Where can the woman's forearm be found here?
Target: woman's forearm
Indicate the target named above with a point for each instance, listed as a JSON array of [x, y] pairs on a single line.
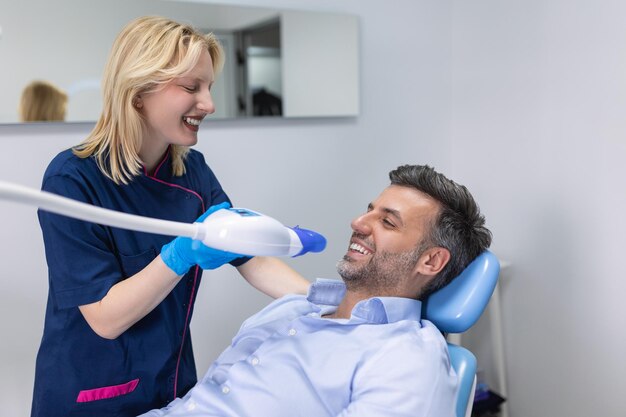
[[130, 300], [273, 277]]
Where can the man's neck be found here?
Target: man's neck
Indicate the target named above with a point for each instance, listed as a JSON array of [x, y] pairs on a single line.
[[350, 299], [353, 296]]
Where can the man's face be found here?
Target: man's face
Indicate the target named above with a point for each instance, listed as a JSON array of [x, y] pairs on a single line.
[[388, 239]]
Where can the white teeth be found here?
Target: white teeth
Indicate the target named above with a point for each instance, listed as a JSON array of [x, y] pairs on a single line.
[[194, 122], [359, 248]]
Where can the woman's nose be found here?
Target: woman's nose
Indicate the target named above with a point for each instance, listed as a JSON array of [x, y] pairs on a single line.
[[205, 102]]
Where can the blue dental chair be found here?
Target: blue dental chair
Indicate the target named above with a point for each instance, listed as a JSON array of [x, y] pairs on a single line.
[[454, 309]]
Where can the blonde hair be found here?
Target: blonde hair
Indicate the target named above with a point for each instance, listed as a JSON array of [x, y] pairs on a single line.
[[147, 54], [42, 101]]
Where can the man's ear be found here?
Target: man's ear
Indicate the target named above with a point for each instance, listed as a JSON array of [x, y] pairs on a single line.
[[432, 261]]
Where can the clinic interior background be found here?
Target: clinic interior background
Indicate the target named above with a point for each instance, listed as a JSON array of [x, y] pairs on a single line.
[[523, 102]]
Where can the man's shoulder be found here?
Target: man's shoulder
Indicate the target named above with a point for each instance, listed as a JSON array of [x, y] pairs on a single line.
[[412, 338], [285, 307]]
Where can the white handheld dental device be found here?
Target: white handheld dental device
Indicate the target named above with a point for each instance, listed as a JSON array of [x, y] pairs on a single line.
[[236, 230]]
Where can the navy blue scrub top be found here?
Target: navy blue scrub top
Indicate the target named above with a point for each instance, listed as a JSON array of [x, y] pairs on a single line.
[[79, 373]]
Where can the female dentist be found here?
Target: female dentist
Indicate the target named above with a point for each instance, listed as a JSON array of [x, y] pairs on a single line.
[[116, 337]]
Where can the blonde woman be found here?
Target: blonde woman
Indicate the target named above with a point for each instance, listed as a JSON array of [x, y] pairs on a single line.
[[42, 101], [116, 339]]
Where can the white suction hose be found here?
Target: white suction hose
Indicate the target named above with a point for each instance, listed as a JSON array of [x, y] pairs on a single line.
[[83, 211], [235, 230]]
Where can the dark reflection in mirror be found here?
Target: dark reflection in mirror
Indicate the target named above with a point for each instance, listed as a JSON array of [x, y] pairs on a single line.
[[261, 53], [258, 80]]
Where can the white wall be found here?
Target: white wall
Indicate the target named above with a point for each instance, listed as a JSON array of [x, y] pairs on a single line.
[[325, 49], [314, 172], [539, 127]]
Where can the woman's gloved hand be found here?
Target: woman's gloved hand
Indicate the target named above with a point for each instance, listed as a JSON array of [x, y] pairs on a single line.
[[182, 253]]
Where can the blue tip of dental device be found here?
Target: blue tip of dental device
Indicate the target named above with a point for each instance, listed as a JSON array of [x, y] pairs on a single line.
[[311, 241]]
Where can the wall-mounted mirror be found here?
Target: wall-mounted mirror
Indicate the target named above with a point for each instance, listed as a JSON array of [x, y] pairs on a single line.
[[282, 63]]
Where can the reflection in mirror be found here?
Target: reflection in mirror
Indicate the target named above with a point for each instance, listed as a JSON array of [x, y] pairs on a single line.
[[279, 63], [261, 53]]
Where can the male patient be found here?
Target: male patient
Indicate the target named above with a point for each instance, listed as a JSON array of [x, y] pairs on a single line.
[[357, 347]]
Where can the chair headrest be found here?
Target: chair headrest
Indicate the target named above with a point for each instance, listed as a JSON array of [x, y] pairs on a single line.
[[457, 306]]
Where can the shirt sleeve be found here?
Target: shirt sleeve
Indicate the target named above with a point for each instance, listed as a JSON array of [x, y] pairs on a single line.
[[81, 262], [410, 378]]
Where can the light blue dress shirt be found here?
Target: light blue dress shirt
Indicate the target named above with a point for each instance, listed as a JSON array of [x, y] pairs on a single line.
[[289, 361]]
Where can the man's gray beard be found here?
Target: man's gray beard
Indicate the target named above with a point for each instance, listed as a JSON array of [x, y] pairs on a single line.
[[381, 275]]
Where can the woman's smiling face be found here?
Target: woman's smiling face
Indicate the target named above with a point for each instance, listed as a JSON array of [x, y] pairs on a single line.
[[174, 112]]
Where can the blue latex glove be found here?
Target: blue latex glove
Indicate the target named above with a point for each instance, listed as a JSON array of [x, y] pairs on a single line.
[[182, 253]]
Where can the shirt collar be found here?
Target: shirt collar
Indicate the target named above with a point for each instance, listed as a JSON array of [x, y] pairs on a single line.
[[163, 169], [379, 310]]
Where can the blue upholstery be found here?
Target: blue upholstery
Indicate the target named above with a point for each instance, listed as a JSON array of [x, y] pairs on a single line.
[[454, 309], [457, 306], [464, 363]]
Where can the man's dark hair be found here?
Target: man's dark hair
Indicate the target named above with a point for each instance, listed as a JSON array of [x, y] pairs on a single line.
[[460, 227]]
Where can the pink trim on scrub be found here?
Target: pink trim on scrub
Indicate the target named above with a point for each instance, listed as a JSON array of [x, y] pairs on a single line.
[[195, 280], [156, 171], [107, 392], [180, 352], [179, 187]]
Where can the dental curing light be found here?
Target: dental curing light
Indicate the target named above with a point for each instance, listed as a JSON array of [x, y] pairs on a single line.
[[236, 230]]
